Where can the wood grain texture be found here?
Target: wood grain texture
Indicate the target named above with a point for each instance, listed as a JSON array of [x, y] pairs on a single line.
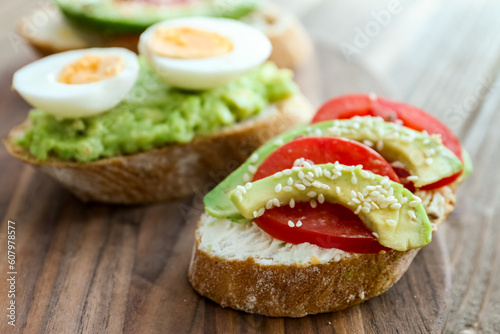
[[95, 268]]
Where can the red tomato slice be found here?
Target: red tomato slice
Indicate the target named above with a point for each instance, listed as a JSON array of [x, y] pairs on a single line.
[[322, 150], [348, 106], [328, 225]]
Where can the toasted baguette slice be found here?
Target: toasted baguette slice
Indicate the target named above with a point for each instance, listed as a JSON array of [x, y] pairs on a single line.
[[175, 170], [291, 44], [242, 267]]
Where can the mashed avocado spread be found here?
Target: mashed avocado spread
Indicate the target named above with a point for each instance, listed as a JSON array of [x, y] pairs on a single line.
[[154, 114]]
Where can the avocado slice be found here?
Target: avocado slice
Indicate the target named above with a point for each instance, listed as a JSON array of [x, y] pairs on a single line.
[[121, 17], [392, 141], [396, 216]]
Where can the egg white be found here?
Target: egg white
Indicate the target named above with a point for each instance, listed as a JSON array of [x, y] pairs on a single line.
[[37, 84], [250, 49]]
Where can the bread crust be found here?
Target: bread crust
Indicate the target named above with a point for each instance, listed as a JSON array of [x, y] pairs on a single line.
[[173, 171], [291, 44], [279, 290]]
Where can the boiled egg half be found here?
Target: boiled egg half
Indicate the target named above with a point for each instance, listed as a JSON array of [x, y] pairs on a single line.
[[78, 83], [198, 53]]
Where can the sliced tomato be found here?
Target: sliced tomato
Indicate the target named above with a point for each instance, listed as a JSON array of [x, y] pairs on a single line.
[[348, 106], [328, 225], [323, 150]]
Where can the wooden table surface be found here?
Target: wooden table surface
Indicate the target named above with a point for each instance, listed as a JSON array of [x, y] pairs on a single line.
[[96, 268]]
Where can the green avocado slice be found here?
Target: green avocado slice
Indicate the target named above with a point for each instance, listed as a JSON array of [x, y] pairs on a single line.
[[394, 142], [121, 17], [396, 216]]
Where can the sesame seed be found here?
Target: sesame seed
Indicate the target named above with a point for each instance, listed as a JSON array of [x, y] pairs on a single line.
[[287, 172], [355, 200], [365, 209], [374, 205], [337, 189], [412, 178], [300, 186], [375, 193], [279, 142], [384, 180], [313, 204], [255, 214], [290, 181], [354, 180], [310, 174], [248, 185], [246, 177], [429, 161], [391, 222], [301, 175], [404, 200], [307, 165], [416, 198], [353, 194], [299, 224], [261, 212], [252, 169], [365, 174], [375, 235], [414, 203], [395, 206], [254, 158], [291, 224], [287, 189], [238, 194], [380, 145], [278, 175], [317, 184], [312, 194], [327, 173], [269, 204], [357, 210], [306, 183], [321, 198], [411, 213], [276, 202], [292, 203], [278, 188], [241, 189], [368, 142]]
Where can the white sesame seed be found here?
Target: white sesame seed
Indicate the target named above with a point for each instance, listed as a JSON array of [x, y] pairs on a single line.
[[248, 185], [255, 213], [391, 222], [287, 172], [411, 213], [287, 189], [374, 205], [261, 212], [404, 200], [321, 198], [365, 174], [310, 174], [368, 142], [416, 198], [395, 206], [278, 188], [276, 202], [238, 194], [312, 194], [254, 158], [360, 196], [384, 180], [252, 169], [241, 189], [279, 142], [354, 180], [365, 209], [301, 175], [355, 200], [375, 193], [327, 173], [291, 224], [429, 161], [290, 181], [358, 210], [300, 186], [269, 204], [375, 235], [299, 224], [412, 178], [317, 184], [307, 165], [246, 177], [306, 183], [296, 169], [353, 194], [414, 203], [313, 204], [380, 145], [292, 203], [278, 175], [337, 189]]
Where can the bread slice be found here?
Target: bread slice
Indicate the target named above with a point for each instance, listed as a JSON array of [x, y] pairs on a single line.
[[242, 267], [173, 171], [291, 44]]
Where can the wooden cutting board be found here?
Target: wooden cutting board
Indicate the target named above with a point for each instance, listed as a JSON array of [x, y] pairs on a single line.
[[92, 268]]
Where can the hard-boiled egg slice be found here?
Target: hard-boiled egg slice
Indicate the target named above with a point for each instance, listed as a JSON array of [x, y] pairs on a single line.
[[201, 52], [78, 83]]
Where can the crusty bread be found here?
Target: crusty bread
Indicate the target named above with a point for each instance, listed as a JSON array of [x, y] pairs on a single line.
[[270, 287], [291, 44], [175, 170]]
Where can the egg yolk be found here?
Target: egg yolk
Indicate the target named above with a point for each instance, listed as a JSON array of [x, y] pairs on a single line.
[[91, 68], [188, 43]]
